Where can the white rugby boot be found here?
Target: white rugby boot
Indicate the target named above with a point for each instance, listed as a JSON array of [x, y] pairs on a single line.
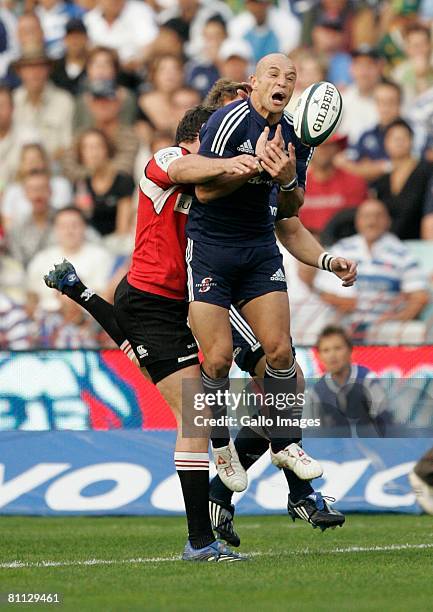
[[229, 468], [296, 459]]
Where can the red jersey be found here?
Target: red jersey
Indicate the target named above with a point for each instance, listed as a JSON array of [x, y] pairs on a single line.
[[323, 199], [158, 261]]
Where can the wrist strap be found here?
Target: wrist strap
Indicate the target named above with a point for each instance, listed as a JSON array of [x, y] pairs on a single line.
[[325, 261], [290, 186]]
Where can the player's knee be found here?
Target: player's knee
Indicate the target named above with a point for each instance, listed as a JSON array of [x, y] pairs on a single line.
[[217, 363], [279, 354]]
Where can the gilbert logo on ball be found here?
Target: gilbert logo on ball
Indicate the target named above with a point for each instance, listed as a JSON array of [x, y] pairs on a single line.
[[318, 113]]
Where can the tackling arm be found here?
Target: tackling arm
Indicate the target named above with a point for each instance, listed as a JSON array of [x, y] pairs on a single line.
[[199, 169]]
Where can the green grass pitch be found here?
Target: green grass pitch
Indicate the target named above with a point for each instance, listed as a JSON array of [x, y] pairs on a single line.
[[374, 563]]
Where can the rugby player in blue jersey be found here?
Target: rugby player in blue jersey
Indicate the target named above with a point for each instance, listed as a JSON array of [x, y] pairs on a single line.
[[232, 255]]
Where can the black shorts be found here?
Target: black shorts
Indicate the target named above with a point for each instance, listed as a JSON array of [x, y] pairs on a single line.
[[157, 329]]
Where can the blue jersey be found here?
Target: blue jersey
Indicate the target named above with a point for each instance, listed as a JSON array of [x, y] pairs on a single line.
[[243, 217]]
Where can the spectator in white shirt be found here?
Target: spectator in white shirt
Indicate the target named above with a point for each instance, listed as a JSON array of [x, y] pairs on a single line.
[[359, 108], [391, 285], [128, 26], [93, 262], [43, 112]]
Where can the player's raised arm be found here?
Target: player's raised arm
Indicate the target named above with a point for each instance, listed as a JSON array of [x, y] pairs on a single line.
[[305, 248]]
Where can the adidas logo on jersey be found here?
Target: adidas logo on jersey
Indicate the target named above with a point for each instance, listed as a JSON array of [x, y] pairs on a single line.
[[278, 276], [246, 147]]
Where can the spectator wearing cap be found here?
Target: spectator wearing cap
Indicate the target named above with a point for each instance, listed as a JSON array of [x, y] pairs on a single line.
[[266, 28], [359, 109], [43, 112], [330, 189], [234, 60], [104, 106], [406, 189], [368, 158], [390, 286], [101, 79], [70, 242], [202, 71], [68, 71], [54, 15], [35, 231], [328, 44], [128, 26]]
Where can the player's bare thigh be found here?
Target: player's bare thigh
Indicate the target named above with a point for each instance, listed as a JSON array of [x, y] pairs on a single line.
[[210, 325], [173, 389], [269, 317]]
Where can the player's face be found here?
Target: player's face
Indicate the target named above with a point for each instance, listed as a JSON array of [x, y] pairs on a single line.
[[334, 353], [193, 147], [274, 84]]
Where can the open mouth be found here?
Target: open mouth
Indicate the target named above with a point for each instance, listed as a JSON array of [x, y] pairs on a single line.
[[278, 97]]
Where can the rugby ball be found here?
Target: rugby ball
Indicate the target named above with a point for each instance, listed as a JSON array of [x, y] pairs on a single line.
[[317, 113]]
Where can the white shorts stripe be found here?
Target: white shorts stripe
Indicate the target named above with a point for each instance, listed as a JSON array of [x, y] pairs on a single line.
[[225, 124], [241, 326], [189, 280]]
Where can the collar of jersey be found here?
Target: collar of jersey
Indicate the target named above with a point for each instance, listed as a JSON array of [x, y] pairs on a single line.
[[261, 120]]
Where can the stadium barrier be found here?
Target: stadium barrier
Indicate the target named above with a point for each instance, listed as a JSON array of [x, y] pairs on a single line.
[[81, 432]]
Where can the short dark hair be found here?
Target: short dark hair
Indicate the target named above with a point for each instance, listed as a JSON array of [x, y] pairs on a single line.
[[414, 28], [190, 124], [392, 85], [217, 19], [72, 209], [399, 123], [334, 330]]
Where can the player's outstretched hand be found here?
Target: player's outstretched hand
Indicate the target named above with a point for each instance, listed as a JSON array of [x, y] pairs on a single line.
[[346, 269], [242, 165]]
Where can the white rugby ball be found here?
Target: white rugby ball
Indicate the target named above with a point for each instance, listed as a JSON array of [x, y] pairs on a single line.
[[317, 113]]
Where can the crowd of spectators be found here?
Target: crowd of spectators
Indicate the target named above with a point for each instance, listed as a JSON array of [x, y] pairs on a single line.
[[89, 89]]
